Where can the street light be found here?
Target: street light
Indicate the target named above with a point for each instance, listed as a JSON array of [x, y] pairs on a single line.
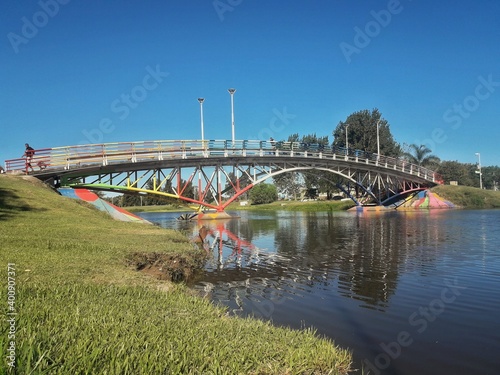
[[201, 100], [232, 91], [346, 140], [378, 138], [479, 171]]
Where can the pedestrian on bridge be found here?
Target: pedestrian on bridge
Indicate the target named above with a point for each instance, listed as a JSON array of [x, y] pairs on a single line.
[[28, 154], [273, 145]]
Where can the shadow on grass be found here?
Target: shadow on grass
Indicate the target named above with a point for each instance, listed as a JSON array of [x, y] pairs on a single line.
[[11, 204]]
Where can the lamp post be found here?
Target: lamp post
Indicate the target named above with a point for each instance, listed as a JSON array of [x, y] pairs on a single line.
[[346, 140], [378, 138], [479, 170], [201, 100], [231, 92]]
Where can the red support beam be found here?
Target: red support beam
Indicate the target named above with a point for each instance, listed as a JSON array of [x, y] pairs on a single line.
[[239, 193]]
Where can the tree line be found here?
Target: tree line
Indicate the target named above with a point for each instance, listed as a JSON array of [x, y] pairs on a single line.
[[359, 131], [129, 200]]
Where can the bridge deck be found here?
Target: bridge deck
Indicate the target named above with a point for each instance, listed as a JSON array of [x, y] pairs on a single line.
[[125, 155]]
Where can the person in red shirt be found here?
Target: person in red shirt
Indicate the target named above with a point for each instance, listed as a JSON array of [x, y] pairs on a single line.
[[28, 154]]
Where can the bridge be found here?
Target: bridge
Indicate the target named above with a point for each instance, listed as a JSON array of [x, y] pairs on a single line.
[[221, 171]]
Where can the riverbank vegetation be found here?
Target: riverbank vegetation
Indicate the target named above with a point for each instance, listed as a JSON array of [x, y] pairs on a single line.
[[263, 193], [291, 205], [161, 208], [469, 197], [282, 205], [83, 309]]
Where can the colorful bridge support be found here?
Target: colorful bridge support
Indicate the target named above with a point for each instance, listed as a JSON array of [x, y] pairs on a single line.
[[117, 213]]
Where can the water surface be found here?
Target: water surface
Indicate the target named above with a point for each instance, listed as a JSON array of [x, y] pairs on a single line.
[[408, 292]]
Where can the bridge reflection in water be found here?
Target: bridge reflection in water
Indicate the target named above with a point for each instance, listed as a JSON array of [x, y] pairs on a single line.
[[274, 257]]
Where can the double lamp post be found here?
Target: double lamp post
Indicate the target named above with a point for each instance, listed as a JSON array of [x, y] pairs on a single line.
[[201, 100]]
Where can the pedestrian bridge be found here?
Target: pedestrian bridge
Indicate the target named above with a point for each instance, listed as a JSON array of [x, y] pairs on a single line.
[[214, 173]]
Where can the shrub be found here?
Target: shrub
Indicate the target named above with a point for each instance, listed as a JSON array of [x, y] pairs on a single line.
[[263, 193]]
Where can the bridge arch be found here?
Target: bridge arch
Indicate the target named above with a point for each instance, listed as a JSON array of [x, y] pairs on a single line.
[[127, 166]]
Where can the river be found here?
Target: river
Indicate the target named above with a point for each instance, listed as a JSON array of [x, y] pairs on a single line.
[[412, 292]]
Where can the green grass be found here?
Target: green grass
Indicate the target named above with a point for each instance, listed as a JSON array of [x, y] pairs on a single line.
[[275, 206], [311, 206], [82, 310], [469, 197]]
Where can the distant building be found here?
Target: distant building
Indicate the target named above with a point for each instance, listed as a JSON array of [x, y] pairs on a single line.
[[454, 183]]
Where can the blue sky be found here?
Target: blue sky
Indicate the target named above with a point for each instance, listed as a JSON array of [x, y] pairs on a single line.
[[78, 71]]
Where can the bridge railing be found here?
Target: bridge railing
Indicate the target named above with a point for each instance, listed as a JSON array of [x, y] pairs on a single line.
[[74, 157]]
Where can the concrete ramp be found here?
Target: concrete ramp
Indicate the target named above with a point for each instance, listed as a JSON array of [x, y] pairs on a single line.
[[117, 213], [428, 199]]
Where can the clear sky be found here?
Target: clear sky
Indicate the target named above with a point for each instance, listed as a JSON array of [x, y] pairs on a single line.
[[77, 71]]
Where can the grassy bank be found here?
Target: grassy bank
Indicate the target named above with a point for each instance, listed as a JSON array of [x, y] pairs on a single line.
[[275, 206], [469, 197], [297, 206], [82, 310], [160, 208]]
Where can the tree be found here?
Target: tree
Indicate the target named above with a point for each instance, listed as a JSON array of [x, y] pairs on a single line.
[[421, 156], [151, 199], [101, 194], [313, 178], [233, 181], [465, 174], [289, 183], [294, 137], [263, 193], [491, 177], [129, 200], [188, 189], [156, 199], [362, 133], [168, 189]]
